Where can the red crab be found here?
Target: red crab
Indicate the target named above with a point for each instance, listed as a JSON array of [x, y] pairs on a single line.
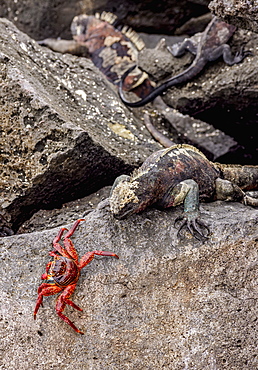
[[62, 274]]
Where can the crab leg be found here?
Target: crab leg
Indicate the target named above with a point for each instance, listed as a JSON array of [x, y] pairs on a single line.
[[45, 289], [88, 257], [61, 303], [68, 243], [58, 246], [72, 304], [44, 276], [74, 227], [59, 235]]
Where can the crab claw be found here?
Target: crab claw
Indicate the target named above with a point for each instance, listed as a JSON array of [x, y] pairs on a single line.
[[195, 226]]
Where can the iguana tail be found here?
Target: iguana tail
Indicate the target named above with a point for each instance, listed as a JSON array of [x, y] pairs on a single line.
[[246, 177]]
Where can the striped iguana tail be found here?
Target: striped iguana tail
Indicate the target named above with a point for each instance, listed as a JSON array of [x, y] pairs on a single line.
[[246, 177]]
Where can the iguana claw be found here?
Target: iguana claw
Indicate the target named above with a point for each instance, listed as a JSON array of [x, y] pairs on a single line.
[[192, 225], [241, 54]]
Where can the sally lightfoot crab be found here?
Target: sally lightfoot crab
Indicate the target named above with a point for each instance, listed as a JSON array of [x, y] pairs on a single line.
[[63, 273]]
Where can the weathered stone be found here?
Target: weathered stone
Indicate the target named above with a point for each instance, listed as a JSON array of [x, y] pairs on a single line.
[[53, 18], [194, 25], [166, 303], [241, 13], [64, 132], [213, 142], [71, 211]]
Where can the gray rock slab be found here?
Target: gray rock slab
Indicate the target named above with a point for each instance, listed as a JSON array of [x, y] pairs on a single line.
[[166, 303]]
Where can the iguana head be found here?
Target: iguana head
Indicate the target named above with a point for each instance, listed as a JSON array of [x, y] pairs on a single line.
[[126, 199], [81, 25]]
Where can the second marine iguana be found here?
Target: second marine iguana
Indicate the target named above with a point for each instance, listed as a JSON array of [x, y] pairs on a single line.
[[207, 46], [113, 50], [182, 174]]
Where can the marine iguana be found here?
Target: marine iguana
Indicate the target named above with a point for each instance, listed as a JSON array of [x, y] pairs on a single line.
[[182, 174], [113, 51], [207, 46]]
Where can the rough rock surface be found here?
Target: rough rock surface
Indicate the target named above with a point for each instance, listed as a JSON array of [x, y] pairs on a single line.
[[52, 18], [241, 13], [213, 142], [194, 25], [69, 212], [165, 304], [64, 132]]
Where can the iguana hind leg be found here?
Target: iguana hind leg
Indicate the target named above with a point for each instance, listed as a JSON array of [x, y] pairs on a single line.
[[225, 51], [228, 191]]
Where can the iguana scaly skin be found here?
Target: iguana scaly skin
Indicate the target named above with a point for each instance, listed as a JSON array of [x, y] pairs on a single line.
[[182, 174], [207, 46], [113, 51]]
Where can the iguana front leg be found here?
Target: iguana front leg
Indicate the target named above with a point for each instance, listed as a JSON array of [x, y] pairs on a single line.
[[187, 192], [65, 46], [179, 49]]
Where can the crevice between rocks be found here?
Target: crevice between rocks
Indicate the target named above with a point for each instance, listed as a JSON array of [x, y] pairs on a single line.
[[70, 176]]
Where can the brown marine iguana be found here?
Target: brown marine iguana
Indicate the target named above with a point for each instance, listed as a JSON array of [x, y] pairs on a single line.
[[182, 174], [113, 51], [207, 46]]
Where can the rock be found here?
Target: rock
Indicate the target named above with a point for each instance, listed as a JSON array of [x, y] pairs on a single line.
[[166, 303], [213, 142], [64, 132], [222, 96], [53, 18], [69, 212], [5, 227], [43, 19], [241, 13], [194, 25]]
